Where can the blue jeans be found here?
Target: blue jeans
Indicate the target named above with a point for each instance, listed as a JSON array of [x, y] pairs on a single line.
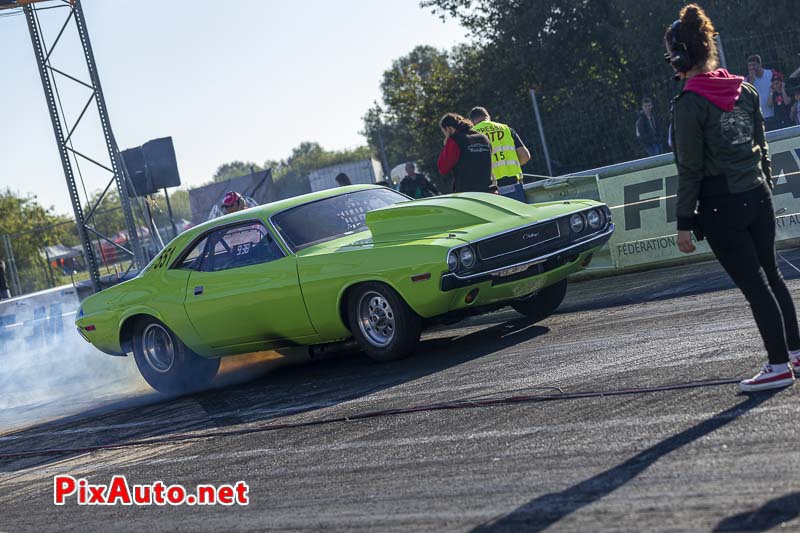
[[654, 149]]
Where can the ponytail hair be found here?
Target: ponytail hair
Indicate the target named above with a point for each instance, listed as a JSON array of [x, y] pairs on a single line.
[[697, 32]]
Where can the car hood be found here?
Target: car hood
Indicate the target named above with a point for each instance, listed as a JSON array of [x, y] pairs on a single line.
[[465, 215]]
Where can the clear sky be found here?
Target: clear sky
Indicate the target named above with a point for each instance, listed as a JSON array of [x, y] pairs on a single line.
[[246, 80]]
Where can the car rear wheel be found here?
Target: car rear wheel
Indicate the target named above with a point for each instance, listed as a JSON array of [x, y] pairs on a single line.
[[166, 363], [384, 326], [542, 304]]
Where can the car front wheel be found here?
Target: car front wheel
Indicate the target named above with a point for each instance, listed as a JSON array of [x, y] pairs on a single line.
[[542, 304], [384, 326], [166, 363]]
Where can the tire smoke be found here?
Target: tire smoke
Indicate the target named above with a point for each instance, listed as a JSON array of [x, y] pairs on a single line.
[[48, 370]]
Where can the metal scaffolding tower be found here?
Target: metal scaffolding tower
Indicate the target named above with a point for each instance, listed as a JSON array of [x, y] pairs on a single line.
[[64, 132]]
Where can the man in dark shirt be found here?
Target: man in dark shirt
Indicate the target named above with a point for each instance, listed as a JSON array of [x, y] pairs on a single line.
[[648, 129], [417, 185], [4, 292]]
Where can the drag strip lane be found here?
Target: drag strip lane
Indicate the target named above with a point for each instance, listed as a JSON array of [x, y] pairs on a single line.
[[574, 465]]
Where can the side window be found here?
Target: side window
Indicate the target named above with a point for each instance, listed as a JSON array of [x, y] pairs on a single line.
[[193, 258], [240, 246]]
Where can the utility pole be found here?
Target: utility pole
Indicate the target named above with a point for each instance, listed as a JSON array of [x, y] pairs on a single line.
[[541, 133]]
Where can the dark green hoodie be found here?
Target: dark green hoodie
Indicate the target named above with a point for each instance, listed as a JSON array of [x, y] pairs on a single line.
[[718, 140]]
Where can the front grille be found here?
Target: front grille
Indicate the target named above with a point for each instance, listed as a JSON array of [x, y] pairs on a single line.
[[517, 240]]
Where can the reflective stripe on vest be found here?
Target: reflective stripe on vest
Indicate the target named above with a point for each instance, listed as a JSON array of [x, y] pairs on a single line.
[[502, 163], [505, 162]]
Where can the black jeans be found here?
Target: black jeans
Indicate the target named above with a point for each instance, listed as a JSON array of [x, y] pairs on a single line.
[[740, 229]]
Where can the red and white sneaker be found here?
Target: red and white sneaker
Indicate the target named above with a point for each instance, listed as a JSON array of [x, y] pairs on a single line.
[[769, 378], [794, 363]]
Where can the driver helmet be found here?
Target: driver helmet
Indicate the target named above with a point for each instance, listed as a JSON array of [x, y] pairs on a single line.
[[232, 202]]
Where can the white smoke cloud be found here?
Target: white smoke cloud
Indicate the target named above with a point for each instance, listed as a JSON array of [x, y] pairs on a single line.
[[47, 369]]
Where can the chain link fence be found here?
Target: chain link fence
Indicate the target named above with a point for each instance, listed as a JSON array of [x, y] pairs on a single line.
[[52, 256], [593, 125]]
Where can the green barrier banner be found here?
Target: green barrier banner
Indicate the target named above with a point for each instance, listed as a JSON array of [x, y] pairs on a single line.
[[643, 205]]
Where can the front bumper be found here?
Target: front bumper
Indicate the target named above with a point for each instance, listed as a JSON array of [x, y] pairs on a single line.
[[527, 268]]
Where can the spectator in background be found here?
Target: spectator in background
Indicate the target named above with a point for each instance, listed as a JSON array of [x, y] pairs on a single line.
[[648, 129], [467, 154], [794, 112], [5, 293], [761, 78], [780, 103], [417, 185], [343, 179]]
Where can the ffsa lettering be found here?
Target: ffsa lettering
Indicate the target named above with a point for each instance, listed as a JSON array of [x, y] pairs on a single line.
[[782, 163]]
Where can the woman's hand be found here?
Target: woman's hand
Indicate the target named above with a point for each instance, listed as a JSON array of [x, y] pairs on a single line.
[[685, 243]]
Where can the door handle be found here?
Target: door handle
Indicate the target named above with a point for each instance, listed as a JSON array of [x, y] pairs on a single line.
[[198, 290]]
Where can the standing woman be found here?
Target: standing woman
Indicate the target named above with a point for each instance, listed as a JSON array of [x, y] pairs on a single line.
[[724, 168], [467, 154]]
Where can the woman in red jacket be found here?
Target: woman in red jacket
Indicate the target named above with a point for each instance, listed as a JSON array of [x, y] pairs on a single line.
[[467, 154]]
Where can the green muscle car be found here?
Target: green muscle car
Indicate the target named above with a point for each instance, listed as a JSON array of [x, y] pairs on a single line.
[[361, 262]]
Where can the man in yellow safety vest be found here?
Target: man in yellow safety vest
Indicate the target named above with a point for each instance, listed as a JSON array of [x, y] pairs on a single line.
[[508, 151]]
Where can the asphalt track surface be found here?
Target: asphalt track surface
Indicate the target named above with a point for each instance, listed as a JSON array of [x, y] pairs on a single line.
[[702, 458]]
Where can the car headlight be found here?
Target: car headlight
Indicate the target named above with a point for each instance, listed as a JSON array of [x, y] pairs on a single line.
[[467, 257], [576, 223], [593, 218], [452, 261]]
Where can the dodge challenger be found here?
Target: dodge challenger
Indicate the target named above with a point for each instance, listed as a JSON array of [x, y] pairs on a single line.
[[359, 262]]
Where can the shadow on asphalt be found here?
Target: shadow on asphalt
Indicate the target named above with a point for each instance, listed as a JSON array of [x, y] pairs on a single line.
[[661, 284], [641, 287], [549, 509], [287, 391], [309, 387], [772, 514]]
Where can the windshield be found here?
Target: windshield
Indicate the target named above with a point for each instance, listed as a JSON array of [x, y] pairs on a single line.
[[331, 218]]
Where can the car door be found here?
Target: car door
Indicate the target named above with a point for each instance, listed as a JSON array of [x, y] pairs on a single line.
[[245, 291]]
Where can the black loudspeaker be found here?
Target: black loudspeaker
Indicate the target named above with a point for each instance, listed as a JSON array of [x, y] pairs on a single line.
[[162, 167], [137, 171]]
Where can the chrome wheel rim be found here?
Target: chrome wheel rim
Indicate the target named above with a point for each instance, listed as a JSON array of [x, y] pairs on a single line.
[[376, 319], [159, 351]]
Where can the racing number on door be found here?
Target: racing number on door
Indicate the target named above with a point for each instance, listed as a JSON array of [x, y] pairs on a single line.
[[164, 258], [243, 249]]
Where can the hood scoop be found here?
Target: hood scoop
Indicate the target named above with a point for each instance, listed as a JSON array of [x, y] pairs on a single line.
[[441, 215]]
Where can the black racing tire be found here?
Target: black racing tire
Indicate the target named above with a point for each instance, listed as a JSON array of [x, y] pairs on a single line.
[[167, 364], [542, 304], [384, 326]]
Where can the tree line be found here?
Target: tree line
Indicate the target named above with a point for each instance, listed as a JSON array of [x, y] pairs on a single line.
[[290, 175], [589, 62]]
